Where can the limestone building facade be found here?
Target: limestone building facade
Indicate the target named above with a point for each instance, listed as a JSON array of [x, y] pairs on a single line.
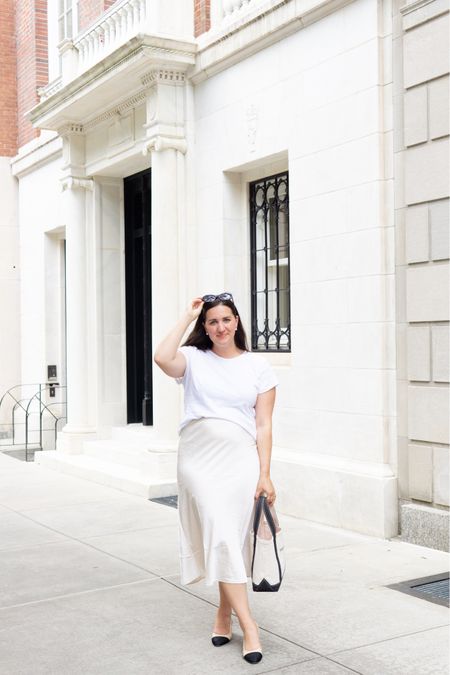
[[293, 152]]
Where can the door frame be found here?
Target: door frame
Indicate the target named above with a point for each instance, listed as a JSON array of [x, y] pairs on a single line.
[[134, 415]]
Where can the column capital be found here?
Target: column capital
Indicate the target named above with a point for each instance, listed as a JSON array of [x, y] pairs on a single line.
[[77, 183]]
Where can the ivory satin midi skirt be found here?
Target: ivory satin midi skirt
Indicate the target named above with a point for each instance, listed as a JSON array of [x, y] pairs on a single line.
[[217, 474]]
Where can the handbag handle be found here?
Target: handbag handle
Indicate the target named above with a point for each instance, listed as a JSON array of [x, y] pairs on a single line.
[[261, 506]]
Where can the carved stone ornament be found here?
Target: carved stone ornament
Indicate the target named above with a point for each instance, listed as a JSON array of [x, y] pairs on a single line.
[[152, 102], [76, 183], [71, 128], [160, 143], [252, 124], [163, 75]]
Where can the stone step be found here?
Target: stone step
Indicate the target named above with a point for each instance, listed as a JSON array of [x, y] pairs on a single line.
[[142, 436], [161, 465], [118, 476]]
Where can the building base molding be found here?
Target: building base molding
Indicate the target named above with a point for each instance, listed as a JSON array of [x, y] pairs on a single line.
[[338, 493], [425, 525]]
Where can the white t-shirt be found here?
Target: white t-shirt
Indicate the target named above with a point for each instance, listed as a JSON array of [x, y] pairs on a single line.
[[225, 388]]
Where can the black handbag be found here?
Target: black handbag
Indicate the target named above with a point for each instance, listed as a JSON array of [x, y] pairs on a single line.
[[268, 560]]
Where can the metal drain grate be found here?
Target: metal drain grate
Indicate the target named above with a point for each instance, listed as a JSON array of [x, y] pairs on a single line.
[[167, 501], [434, 588]]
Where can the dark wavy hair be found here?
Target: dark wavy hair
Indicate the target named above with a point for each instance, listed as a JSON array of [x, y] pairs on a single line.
[[198, 338]]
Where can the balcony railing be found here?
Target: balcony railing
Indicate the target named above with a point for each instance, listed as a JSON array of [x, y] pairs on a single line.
[[124, 20], [225, 11], [128, 18], [50, 89]]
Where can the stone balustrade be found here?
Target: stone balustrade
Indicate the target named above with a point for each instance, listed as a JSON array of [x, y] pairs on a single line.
[[50, 89], [224, 12], [233, 8], [124, 20], [113, 29]]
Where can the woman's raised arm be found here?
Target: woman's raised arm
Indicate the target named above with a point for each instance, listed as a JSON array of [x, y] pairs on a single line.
[[167, 356]]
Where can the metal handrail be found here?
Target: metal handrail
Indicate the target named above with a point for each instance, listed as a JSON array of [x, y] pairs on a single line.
[[17, 386], [24, 404], [17, 403], [42, 408]]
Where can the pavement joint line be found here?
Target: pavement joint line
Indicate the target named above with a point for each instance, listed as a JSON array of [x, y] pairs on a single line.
[[138, 529], [112, 498], [85, 543], [20, 547], [266, 630], [76, 593], [62, 506], [166, 580], [387, 639], [312, 651], [299, 663], [326, 548]]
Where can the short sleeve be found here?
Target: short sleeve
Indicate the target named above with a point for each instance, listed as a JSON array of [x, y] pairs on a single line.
[[187, 355], [267, 378]]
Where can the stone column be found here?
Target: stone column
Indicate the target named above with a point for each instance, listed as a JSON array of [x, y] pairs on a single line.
[[74, 189], [167, 145]]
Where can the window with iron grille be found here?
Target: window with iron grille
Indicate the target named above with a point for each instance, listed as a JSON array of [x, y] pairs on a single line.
[[270, 285]]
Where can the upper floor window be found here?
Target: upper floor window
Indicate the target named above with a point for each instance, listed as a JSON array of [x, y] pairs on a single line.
[[270, 285], [67, 19]]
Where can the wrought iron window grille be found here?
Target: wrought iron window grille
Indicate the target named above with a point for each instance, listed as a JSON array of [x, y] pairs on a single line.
[[270, 264]]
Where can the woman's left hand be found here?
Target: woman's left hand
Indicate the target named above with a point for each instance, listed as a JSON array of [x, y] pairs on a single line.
[[266, 485]]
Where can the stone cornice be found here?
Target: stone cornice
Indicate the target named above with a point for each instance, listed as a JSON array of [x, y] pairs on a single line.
[[418, 4], [119, 109], [37, 154], [165, 76], [158, 75], [113, 77], [421, 11], [266, 25]]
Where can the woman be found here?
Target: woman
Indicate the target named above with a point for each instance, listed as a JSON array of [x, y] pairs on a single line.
[[224, 454]]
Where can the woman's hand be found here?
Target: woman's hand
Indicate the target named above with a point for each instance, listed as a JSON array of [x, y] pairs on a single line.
[[266, 485], [194, 308]]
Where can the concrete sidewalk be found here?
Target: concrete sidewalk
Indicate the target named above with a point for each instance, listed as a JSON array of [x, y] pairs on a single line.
[[89, 585]]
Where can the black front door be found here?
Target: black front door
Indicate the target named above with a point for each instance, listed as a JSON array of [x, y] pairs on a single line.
[[137, 191]]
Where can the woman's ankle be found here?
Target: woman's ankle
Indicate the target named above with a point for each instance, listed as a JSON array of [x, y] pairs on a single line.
[[249, 624]]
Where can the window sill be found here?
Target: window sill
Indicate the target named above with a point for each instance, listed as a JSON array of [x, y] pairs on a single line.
[[276, 358]]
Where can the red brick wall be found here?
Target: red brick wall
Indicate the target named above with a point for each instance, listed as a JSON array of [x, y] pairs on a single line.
[[90, 10], [202, 17], [8, 83], [32, 61]]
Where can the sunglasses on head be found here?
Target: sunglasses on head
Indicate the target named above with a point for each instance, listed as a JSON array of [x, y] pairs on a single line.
[[221, 296]]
